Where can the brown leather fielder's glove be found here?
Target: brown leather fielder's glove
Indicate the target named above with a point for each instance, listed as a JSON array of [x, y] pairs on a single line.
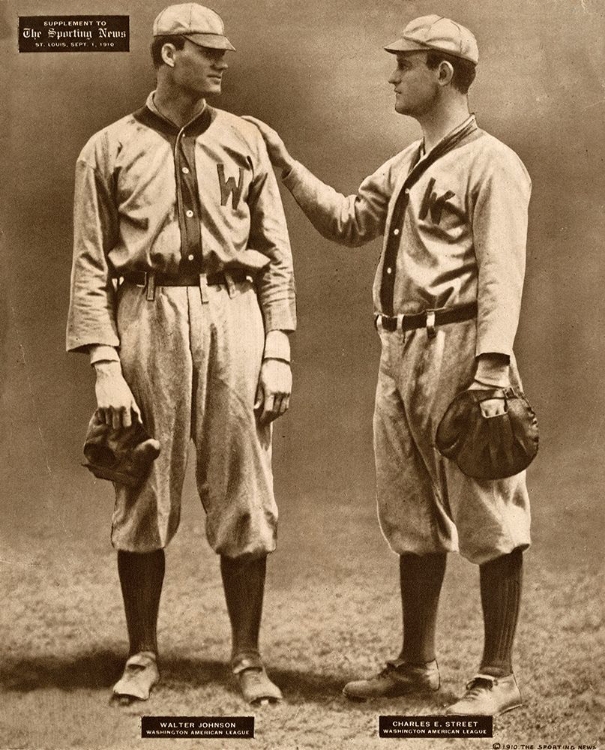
[[489, 447], [124, 456]]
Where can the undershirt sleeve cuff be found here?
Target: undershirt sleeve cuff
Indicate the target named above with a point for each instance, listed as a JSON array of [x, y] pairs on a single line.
[[103, 353]]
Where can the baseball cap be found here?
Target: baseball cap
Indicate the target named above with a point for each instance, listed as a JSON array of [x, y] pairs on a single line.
[[438, 33], [200, 25]]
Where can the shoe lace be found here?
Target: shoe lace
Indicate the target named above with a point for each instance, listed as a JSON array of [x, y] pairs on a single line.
[[390, 667], [477, 685], [385, 673]]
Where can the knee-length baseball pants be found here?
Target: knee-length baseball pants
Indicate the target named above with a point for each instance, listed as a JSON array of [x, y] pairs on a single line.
[[425, 503], [193, 368]]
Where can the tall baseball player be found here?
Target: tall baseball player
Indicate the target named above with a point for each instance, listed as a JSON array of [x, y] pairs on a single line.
[[180, 203], [453, 211]]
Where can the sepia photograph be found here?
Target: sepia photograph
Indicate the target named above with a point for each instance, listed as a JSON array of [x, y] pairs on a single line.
[[302, 404]]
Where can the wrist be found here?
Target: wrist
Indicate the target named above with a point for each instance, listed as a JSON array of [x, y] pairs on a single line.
[[286, 164], [105, 368], [103, 353], [277, 346], [493, 370]]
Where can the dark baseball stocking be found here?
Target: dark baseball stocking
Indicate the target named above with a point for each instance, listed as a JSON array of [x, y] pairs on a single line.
[[500, 599], [141, 578], [244, 584], [421, 578]]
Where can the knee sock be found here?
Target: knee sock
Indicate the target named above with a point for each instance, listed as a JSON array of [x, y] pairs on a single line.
[[500, 599], [141, 578], [421, 577], [244, 584]]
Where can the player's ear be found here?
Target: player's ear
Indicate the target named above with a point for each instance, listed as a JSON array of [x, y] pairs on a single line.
[[168, 52], [445, 73]]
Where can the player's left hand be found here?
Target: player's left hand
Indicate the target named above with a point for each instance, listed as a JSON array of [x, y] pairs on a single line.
[[273, 391], [493, 407]]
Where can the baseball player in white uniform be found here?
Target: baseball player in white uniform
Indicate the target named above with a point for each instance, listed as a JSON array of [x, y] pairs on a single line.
[[179, 202], [453, 211]]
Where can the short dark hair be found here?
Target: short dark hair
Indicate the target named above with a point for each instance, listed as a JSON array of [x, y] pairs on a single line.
[[159, 42], [464, 70]]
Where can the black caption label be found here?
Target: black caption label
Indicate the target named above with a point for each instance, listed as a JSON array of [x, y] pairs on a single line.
[[74, 34], [399, 727], [198, 727]]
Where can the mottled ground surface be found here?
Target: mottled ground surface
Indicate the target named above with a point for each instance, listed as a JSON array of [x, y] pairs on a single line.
[[332, 613]]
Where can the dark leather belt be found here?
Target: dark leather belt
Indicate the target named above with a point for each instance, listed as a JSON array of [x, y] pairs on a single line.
[[428, 318], [140, 278]]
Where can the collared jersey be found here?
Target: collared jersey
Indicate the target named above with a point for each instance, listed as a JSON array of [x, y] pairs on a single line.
[[454, 222], [152, 197]]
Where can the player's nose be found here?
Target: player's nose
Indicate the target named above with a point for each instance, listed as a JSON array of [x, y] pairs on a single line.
[[394, 78]]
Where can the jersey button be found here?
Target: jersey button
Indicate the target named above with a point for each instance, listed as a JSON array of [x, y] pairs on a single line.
[[189, 213], [190, 257], [389, 271], [185, 170], [395, 232]]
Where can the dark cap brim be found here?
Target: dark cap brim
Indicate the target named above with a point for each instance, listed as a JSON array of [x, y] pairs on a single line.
[[212, 41]]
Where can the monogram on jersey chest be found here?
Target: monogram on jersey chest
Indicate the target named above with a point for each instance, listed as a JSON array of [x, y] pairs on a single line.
[[231, 187]]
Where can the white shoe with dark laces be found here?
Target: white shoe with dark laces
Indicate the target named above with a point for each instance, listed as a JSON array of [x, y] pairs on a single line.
[[487, 696]]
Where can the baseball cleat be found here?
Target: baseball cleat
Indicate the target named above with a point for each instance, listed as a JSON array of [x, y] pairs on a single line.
[[253, 681], [140, 675], [487, 696], [397, 678]]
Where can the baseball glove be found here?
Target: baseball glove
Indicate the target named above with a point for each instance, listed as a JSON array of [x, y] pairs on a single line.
[[124, 456], [489, 447]]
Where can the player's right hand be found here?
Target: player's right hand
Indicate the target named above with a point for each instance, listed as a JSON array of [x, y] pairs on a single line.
[[278, 153], [115, 402]]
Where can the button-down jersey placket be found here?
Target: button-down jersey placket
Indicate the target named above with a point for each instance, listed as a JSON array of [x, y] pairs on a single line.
[[395, 228], [189, 208]]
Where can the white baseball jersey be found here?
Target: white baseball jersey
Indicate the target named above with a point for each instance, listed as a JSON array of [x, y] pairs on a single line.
[[152, 197], [457, 234], [454, 222]]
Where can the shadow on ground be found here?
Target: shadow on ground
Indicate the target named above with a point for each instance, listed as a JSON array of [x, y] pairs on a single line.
[[101, 669]]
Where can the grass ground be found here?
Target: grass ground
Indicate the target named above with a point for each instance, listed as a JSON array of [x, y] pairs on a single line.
[[332, 613]]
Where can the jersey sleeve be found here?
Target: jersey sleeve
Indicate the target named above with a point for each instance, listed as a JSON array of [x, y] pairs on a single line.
[[269, 236], [500, 216], [349, 220], [91, 317]]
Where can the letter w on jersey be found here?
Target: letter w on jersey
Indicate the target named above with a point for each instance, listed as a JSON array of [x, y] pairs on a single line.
[[230, 187], [434, 203]]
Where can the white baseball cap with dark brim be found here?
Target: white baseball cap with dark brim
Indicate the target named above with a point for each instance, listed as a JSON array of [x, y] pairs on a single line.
[[437, 33], [199, 24]]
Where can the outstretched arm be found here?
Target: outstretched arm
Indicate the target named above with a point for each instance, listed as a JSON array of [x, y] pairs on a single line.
[[350, 220]]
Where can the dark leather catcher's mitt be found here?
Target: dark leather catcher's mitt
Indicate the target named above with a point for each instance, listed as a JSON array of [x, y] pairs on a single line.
[[124, 456], [489, 447]]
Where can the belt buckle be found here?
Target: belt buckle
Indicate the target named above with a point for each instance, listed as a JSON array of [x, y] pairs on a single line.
[[145, 279]]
